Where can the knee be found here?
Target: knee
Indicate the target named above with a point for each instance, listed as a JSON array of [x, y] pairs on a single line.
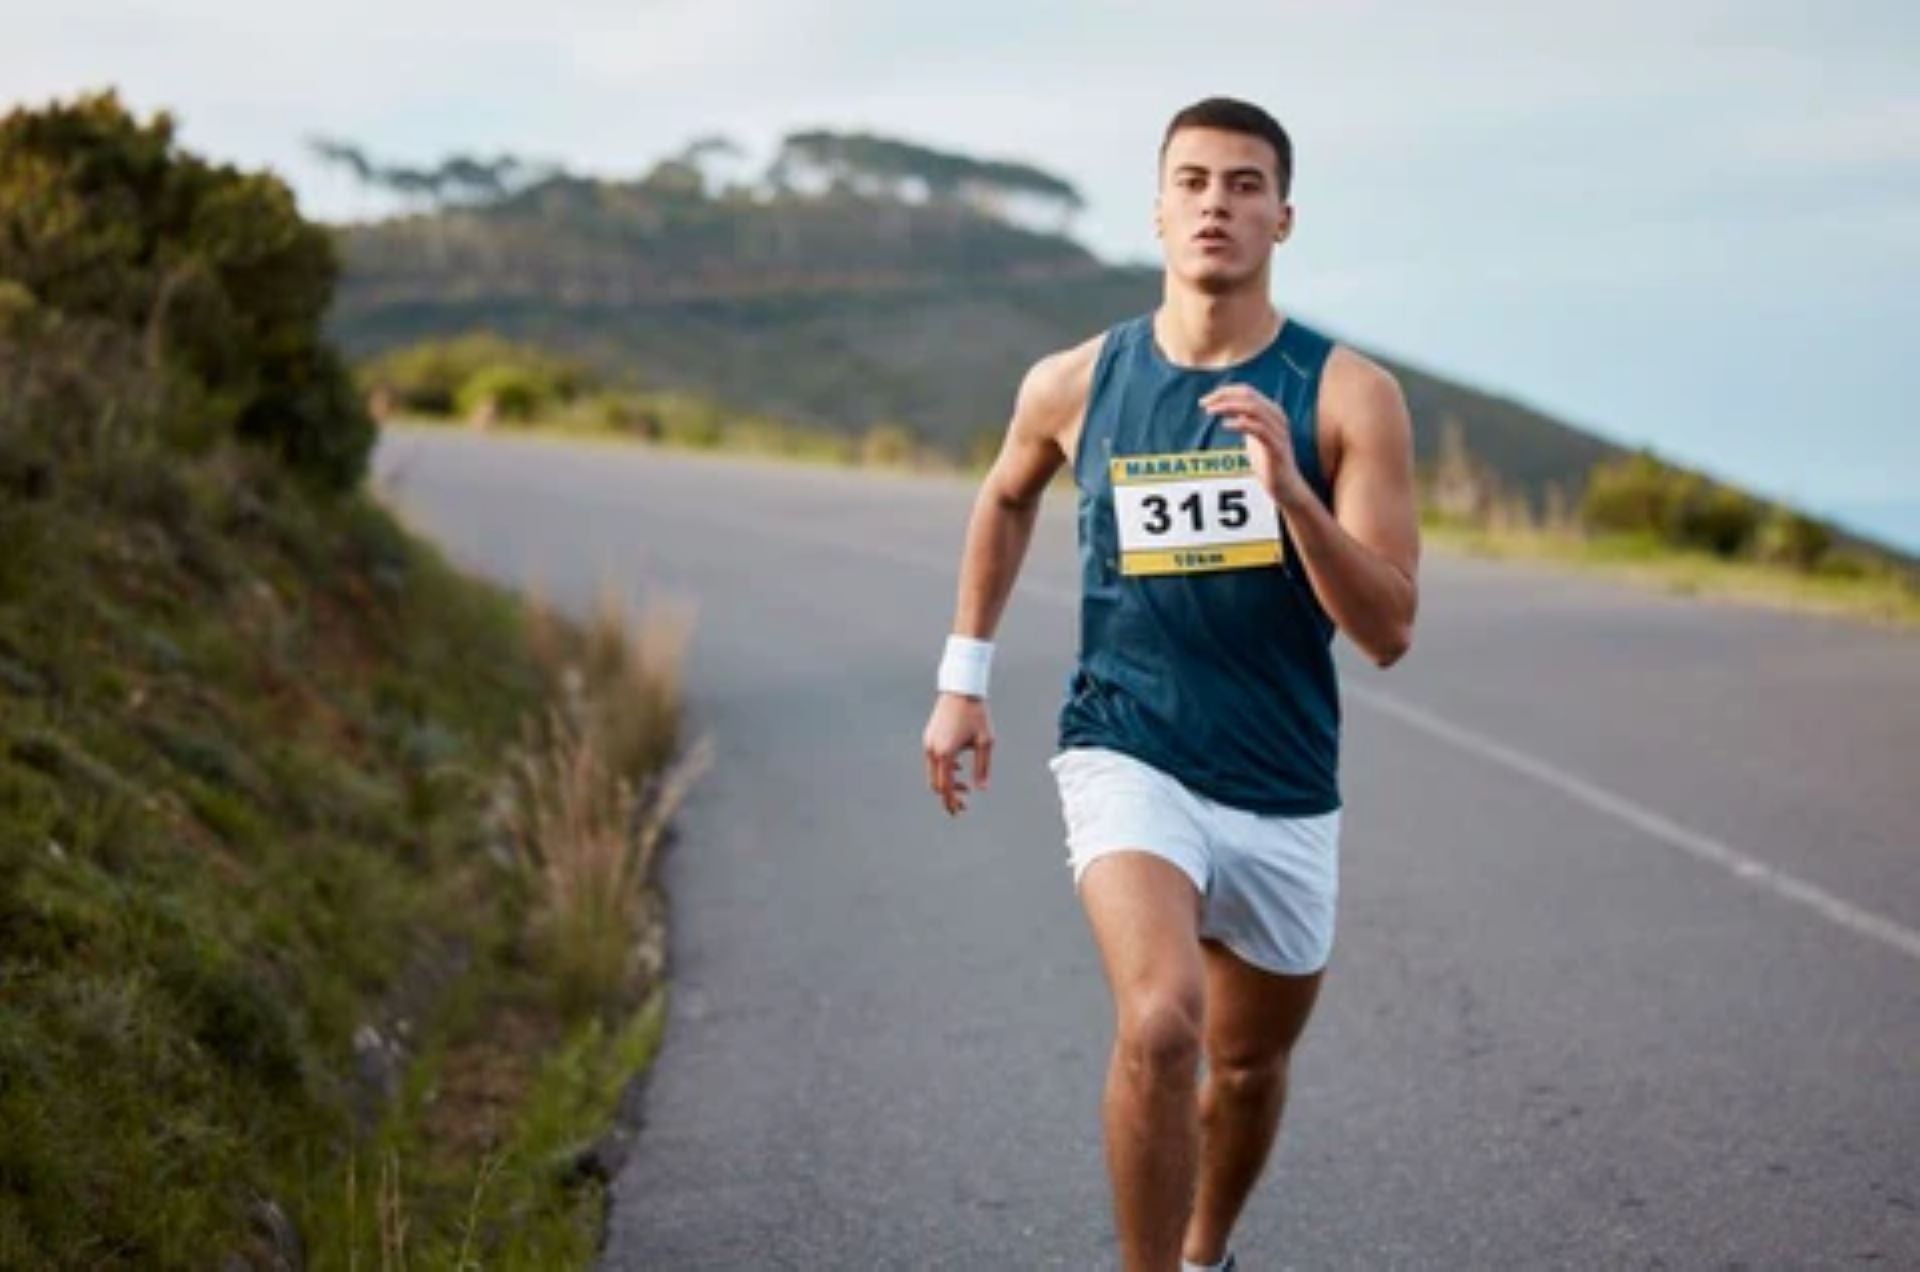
[[1159, 1037], [1247, 1080]]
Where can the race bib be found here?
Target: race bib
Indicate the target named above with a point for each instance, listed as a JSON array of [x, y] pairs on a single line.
[[1187, 514]]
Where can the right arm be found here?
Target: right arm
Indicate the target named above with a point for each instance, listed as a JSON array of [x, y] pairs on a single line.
[[1045, 426]]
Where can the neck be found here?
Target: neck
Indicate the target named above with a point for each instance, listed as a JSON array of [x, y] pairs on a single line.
[[1198, 329]]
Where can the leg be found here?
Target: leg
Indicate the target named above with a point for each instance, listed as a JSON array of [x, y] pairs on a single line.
[[1254, 1018], [1145, 917]]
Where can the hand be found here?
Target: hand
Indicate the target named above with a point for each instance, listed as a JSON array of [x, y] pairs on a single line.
[[959, 723], [1258, 418]]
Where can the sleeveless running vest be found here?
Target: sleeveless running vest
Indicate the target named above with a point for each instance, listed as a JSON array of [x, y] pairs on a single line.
[[1224, 680]]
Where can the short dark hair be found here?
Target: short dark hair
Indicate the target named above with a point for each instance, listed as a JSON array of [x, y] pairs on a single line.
[[1230, 114]]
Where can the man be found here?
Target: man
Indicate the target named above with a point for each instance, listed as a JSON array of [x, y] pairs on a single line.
[[1246, 486]]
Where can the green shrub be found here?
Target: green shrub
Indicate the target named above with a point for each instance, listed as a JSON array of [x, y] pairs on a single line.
[[508, 391], [310, 412], [436, 377], [1715, 518], [1789, 538], [1642, 495], [1628, 496], [425, 378], [211, 270], [73, 386]]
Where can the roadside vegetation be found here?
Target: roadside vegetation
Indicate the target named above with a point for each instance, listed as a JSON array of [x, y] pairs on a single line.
[[483, 381], [1645, 521], [327, 929]]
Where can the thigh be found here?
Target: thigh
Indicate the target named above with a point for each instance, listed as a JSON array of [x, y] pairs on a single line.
[[1275, 893], [1254, 1017], [1145, 915]]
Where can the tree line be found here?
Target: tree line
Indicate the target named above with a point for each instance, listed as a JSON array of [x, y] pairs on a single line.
[[814, 161]]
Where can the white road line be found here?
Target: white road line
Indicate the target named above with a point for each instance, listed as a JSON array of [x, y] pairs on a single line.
[[1696, 845]]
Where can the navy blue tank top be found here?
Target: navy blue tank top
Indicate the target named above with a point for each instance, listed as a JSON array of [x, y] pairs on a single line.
[[1223, 679]]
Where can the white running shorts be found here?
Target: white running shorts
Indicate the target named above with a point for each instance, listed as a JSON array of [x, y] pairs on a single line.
[[1268, 885]]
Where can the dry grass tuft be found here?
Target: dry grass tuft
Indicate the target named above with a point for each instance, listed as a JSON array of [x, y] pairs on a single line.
[[593, 789], [632, 670]]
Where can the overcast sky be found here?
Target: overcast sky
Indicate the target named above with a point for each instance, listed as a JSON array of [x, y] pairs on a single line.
[[1685, 224]]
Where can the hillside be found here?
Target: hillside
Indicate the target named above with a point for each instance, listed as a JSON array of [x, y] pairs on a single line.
[[291, 961], [837, 309]]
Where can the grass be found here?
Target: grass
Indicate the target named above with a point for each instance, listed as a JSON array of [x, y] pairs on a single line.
[[1863, 590], [587, 840], [503, 1103], [582, 832], [486, 1160], [269, 956]]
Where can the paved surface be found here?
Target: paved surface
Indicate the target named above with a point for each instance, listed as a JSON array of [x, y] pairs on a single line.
[[1628, 968]]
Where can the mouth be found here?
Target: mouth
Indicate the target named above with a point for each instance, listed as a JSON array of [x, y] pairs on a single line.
[[1213, 238]]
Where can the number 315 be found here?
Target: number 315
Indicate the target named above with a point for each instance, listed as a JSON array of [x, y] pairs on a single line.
[[1231, 511]]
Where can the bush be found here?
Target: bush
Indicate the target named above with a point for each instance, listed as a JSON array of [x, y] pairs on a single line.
[[508, 391], [211, 270], [1642, 495], [1716, 518], [310, 412], [1788, 538], [426, 378], [435, 377], [77, 386], [1628, 496]]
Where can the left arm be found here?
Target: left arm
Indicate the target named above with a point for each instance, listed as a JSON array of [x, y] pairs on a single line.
[[1364, 556]]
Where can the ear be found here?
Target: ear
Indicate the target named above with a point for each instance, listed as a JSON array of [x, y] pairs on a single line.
[[1158, 228], [1283, 229]]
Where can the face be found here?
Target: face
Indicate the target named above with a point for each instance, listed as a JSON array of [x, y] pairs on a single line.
[[1219, 212]]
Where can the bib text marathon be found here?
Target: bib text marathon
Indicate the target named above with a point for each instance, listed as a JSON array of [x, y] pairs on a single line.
[[1227, 463]]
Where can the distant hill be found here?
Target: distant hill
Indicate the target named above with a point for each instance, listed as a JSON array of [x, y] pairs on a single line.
[[836, 308]]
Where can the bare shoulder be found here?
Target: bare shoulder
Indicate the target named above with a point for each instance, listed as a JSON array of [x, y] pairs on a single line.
[[1358, 389], [1361, 405], [1053, 394], [1045, 430]]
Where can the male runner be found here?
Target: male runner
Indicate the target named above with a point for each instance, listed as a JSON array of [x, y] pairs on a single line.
[[1246, 487]]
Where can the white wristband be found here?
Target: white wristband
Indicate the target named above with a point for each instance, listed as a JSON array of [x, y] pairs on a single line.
[[965, 666]]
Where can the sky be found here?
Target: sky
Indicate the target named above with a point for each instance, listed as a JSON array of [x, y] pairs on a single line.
[[1687, 225]]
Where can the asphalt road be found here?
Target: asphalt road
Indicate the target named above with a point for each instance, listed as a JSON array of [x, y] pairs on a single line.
[[1628, 964]]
